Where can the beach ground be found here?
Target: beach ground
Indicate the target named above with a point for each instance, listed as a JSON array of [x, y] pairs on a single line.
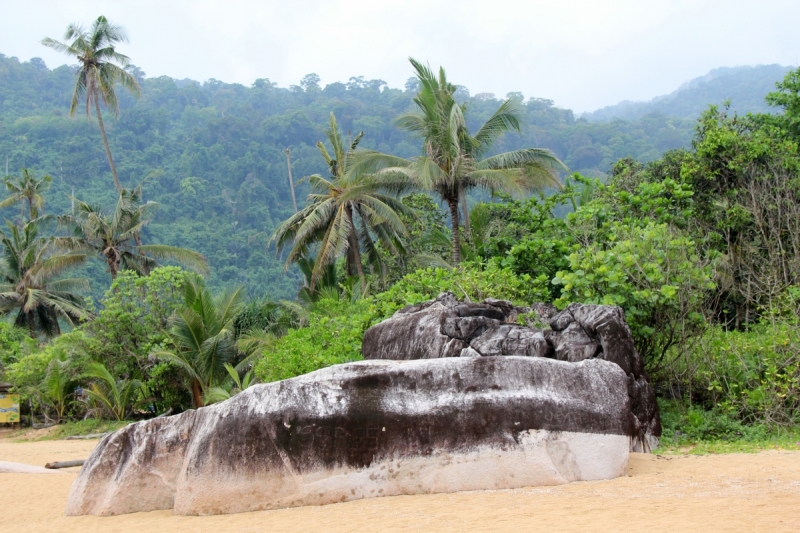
[[709, 493]]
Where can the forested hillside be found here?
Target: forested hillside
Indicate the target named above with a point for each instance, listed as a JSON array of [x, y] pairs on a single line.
[[213, 154], [745, 88]]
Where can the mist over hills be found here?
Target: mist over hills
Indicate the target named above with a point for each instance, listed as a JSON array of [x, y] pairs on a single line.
[[744, 86], [213, 152]]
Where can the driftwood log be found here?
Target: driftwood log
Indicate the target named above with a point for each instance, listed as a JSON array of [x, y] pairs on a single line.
[[64, 464], [87, 437]]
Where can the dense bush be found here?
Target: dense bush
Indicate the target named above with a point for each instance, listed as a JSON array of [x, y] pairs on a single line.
[[29, 374], [333, 335], [11, 340], [471, 281], [753, 376], [654, 273], [684, 424]]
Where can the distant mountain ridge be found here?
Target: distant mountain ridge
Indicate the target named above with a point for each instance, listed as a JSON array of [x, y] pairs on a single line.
[[744, 86]]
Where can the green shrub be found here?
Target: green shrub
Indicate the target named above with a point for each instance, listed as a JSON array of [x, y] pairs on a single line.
[[684, 424], [471, 281], [133, 316], [33, 373], [333, 335], [11, 339], [752, 375], [654, 273]]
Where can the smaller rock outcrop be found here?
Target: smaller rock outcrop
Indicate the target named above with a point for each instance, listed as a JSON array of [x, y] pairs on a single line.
[[445, 327]]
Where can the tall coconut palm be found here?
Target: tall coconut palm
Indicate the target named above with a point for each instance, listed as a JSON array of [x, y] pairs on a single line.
[[451, 161], [115, 236], [30, 268], [202, 337], [27, 189], [343, 213], [101, 67]]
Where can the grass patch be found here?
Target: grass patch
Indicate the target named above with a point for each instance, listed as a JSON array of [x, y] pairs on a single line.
[[69, 429], [690, 429], [790, 441]]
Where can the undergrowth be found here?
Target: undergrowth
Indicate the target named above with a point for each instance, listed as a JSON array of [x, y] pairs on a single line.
[[692, 429]]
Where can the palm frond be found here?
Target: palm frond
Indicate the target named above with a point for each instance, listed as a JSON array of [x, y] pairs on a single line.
[[504, 119], [189, 258]]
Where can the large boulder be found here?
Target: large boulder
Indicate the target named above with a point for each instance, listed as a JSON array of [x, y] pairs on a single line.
[[445, 327], [372, 428]]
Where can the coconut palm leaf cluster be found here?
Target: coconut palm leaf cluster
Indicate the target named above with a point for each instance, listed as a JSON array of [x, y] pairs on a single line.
[[32, 285], [27, 190], [115, 236], [356, 206], [100, 69], [347, 212], [209, 339], [453, 161]]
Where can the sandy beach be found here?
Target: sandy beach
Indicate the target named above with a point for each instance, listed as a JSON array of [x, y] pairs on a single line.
[[735, 492]]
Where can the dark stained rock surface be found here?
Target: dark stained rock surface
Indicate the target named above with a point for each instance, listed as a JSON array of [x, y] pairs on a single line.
[[489, 328], [511, 339], [372, 428], [416, 333]]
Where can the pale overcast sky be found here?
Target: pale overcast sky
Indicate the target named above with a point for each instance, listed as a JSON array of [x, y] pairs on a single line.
[[583, 54]]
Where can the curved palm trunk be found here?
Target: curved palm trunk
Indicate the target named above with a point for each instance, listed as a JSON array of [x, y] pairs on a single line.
[[113, 266], [105, 143], [291, 181], [463, 195], [31, 320], [353, 240], [452, 201], [197, 394]]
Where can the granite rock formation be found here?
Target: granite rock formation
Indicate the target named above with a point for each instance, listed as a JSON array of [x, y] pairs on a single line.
[[445, 327], [374, 428]]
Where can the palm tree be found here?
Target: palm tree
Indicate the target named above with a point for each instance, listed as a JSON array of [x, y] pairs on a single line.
[[29, 269], [232, 387], [451, 163], [342, 214], [117, 397], [115, 236], [27, 189], [101, 67], [202, 336]]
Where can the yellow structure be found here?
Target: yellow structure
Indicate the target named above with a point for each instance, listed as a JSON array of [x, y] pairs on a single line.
[[9, 408]]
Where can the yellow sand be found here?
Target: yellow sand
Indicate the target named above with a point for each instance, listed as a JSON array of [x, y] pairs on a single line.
[[736, 492]]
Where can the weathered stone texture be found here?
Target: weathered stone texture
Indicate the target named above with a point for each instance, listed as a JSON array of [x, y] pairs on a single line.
[[372, 428], [453, 396], [580, 332]]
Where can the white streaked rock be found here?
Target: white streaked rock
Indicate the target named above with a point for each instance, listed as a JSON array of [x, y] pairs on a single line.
[[372, 428]]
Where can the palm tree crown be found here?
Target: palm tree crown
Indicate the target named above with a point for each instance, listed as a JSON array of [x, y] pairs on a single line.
[[203, 337], [115, 236], [451, 161], [29, 268], [343, 213], [101, 67], [27, 189]]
